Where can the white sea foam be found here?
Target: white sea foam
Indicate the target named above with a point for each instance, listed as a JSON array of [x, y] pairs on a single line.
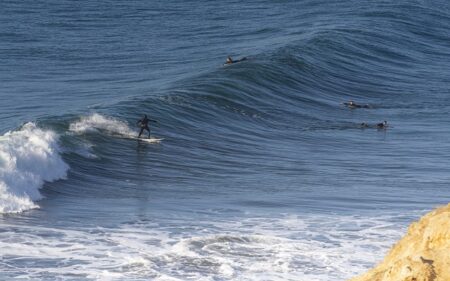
[[96, 122], [311, 248], [28, 158]]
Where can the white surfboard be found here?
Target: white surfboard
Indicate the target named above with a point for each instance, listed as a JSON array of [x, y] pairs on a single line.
[[149, 140]]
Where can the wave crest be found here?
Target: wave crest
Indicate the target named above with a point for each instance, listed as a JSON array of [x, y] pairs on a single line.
[[28, 158], [96, 122]]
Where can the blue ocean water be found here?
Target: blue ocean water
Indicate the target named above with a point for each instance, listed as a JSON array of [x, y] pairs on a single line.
[[263, 173]]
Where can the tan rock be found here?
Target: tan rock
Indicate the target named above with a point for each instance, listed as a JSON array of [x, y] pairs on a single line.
[[423, 254]]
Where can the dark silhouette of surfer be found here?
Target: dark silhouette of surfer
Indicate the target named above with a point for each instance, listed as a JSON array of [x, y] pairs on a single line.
[[143, 124], [231, 61], [382, 125], [352, 104], [364, 125]]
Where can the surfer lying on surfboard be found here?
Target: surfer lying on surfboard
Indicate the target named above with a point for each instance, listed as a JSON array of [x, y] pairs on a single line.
[[143, 124], [382, 125], [231, 61], [352, 104]]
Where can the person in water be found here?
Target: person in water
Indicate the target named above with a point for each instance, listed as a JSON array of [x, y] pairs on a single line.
[[352, 104], [382, 125], [229, 60], [143, 124]]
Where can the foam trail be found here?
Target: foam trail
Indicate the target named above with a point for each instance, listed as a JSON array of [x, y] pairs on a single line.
[[300, 248], [28, 158], [97, 122]]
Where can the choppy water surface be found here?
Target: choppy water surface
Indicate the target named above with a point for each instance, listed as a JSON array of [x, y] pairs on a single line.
[[263, 174]]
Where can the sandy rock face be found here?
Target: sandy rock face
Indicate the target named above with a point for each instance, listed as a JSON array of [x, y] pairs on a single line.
[[423, 254]]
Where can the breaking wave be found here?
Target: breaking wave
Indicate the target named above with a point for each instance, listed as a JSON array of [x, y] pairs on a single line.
[[96, 122], [29, 157]]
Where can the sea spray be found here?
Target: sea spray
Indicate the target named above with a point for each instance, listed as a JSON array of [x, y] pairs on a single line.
[[96, 122], [28, 158]]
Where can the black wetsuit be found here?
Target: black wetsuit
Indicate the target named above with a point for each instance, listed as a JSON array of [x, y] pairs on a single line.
[[382, 125], [354, 105], [231, 61], [143, 123]]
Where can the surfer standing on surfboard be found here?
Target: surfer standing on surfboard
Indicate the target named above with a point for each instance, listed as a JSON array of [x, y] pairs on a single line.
[[143, 124]]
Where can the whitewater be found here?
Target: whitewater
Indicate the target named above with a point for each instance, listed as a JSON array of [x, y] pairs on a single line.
[[29, 157]]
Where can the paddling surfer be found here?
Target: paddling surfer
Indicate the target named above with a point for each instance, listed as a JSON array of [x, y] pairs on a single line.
[[352, 104], [382, 125], [231, 61]]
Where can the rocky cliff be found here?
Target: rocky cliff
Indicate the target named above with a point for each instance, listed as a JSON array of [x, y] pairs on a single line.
[[423, 254]]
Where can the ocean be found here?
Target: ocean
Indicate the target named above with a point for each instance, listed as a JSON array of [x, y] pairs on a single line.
[[263, 173]]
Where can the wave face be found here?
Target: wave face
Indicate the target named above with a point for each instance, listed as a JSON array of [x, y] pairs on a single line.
[[29, 157], [263, 173]]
